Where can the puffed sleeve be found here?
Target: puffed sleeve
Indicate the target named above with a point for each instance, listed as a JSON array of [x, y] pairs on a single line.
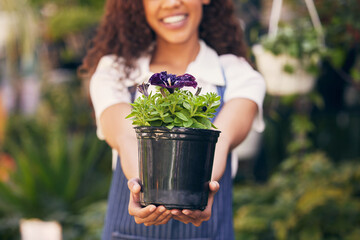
[[106, 89], [244, 82]]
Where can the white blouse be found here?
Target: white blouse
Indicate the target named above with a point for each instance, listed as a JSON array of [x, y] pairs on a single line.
[[242, 81]]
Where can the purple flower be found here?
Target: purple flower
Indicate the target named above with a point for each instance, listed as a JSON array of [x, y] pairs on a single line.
[[143, 89], [171, 81]]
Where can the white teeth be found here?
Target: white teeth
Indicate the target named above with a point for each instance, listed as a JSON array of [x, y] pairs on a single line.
[[174, 19]]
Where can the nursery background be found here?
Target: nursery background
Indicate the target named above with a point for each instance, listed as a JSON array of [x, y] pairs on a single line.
[[299, 179]]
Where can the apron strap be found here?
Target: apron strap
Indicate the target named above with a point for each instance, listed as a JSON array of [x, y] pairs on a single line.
[[221, 93]]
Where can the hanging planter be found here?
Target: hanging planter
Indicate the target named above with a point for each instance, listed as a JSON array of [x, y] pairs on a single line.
[[176, 143], [288, 57], [280, 82]]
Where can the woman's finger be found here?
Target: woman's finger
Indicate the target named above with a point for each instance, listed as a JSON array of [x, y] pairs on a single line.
[[150, 219], [194, 214], [161, 218], [165, 220], [134, 185], [140, 212], [183, 219]]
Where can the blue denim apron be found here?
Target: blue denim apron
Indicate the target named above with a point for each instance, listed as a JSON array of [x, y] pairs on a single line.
[[120, 225]]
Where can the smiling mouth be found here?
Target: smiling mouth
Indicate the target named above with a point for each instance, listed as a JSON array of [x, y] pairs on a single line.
[[174, 19]]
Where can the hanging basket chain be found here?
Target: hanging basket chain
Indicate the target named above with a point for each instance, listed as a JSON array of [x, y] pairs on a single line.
[[315, 19], [275, 18]]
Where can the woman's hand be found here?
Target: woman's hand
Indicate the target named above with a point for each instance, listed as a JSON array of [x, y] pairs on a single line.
[[149, 215], [196, 217]]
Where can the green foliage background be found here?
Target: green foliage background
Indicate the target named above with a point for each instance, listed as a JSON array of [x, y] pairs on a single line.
[[308, 198], [309, 155], [62, 169]]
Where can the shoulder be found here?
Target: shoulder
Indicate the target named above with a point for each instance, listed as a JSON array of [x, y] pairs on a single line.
[[112, 67], [237, 66], [109, 63], [243, 81], [238, 70], [241, 78]]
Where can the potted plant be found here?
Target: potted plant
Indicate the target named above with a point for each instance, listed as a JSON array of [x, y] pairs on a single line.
[[176, 142], [289, 60]]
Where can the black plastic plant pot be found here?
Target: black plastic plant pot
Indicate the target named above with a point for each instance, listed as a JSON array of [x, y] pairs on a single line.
[[175, 166]]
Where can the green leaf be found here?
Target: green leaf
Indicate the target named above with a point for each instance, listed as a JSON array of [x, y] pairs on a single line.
[[138, 123], [187, 105], [188, 123], [186, 113], [206, 122], [181, 116], [154, 113], [201, 115], [197, 124], [177, 120], [168, 119], [165, 104], [215, 105], [157, 123], [133, 114], [152, 119]]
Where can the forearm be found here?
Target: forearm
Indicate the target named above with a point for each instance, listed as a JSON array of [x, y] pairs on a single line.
[[120, 135], [234, 121]]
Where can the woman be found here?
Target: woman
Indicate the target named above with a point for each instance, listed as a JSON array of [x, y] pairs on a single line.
[[200, 37]]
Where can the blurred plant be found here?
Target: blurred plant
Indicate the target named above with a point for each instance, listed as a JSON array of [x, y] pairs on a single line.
[[355, 72], [22, 39], [341, 19], [23, 32], [67, 26], [299, 40], [308, 198], [85, 3], [7, 166], [54, 171], [58, 161], [3, 116], [72, 20], [337, 91], [66, 102], [301, 126], [90, 221], [57, 172], [58, 168]]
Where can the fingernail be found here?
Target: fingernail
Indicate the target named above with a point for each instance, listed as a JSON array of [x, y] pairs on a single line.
[[162, 209], [152, 208], [186, 212]]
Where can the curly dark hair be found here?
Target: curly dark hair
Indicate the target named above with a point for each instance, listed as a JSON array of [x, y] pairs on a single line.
[[125, 33]]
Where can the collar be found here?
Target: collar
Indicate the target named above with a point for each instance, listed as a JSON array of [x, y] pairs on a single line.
[[206, 67]]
